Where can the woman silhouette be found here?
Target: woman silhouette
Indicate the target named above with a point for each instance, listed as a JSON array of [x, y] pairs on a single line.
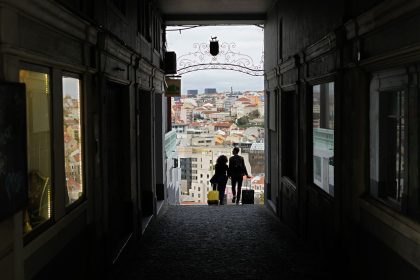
[[220, 176]]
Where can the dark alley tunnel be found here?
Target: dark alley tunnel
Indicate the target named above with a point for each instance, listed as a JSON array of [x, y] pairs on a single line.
[[88, 148]]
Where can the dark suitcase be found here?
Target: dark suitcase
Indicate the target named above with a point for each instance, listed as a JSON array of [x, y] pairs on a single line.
[[248, 194]]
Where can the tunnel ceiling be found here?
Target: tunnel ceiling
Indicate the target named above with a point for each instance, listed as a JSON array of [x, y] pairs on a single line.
[[179, 12]]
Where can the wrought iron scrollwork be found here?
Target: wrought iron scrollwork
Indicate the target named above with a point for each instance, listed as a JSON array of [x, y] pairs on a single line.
[[227, 59]]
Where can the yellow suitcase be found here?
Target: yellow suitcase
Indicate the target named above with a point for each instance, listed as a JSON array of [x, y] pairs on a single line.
[[213, 198]]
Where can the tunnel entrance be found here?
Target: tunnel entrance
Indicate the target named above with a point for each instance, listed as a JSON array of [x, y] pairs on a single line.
[[221, 107]]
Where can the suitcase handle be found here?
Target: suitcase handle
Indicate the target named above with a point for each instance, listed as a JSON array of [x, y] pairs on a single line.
[[248, 186]]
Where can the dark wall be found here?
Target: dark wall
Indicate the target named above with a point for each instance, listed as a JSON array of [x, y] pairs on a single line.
[[121, 18], [346, 42], [305, 22]]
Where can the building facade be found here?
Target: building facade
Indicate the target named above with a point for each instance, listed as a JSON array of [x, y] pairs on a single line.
[[210, 91], [192, 93]]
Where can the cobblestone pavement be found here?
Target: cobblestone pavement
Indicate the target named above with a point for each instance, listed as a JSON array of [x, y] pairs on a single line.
[[221, 242]]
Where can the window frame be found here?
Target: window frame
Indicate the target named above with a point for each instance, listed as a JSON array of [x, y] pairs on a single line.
[[144, 16], [289, 93], [383, 82], [35, 232], [59, 209], [331, 78]]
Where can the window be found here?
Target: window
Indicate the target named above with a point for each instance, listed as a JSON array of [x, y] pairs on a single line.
[[38, 110], [290, 135], [72, 139], [199, 195], [42, 189], [272, 112], [392, 125], [208, 176], [201, 175], [157, 32], [323, 136], [143, 18], [394, 138]]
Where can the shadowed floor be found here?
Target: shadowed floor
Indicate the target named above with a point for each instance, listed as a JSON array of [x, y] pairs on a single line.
[[221, 242]]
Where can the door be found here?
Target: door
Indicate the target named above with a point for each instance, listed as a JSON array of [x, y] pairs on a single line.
[[120, 207]]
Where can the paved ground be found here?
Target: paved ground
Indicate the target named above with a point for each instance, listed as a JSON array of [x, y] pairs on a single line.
[[221, 242]]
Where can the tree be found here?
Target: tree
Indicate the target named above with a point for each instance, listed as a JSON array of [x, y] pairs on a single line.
[[254, 114], [242, 121]]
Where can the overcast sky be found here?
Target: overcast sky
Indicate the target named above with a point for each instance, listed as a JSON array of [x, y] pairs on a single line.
[[249, 40]]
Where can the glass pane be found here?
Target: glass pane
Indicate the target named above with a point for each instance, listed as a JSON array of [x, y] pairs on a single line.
[[392, 126], [72, 139], [323, 136], [39, 147], [317, 170]]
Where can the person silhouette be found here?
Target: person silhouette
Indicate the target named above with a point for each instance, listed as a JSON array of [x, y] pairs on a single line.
[[236, 172], [220, 176]]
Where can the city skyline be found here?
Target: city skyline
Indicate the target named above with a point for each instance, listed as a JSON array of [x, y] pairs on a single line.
[[209, 125]]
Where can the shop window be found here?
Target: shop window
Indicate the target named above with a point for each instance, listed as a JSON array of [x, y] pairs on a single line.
[[323, 136], [38, 110], [72, 139]]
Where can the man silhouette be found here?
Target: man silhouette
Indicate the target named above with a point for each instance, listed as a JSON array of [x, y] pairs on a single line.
[[236, 172]]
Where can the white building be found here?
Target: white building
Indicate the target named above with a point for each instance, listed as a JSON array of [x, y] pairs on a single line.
[[173, 170], [203, 161]]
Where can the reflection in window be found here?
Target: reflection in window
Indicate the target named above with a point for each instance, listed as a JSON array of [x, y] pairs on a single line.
[[323, 136], [39, 148], [72, 139]]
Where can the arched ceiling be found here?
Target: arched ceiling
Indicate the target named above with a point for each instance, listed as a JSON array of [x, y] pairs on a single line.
[[182, 12]]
